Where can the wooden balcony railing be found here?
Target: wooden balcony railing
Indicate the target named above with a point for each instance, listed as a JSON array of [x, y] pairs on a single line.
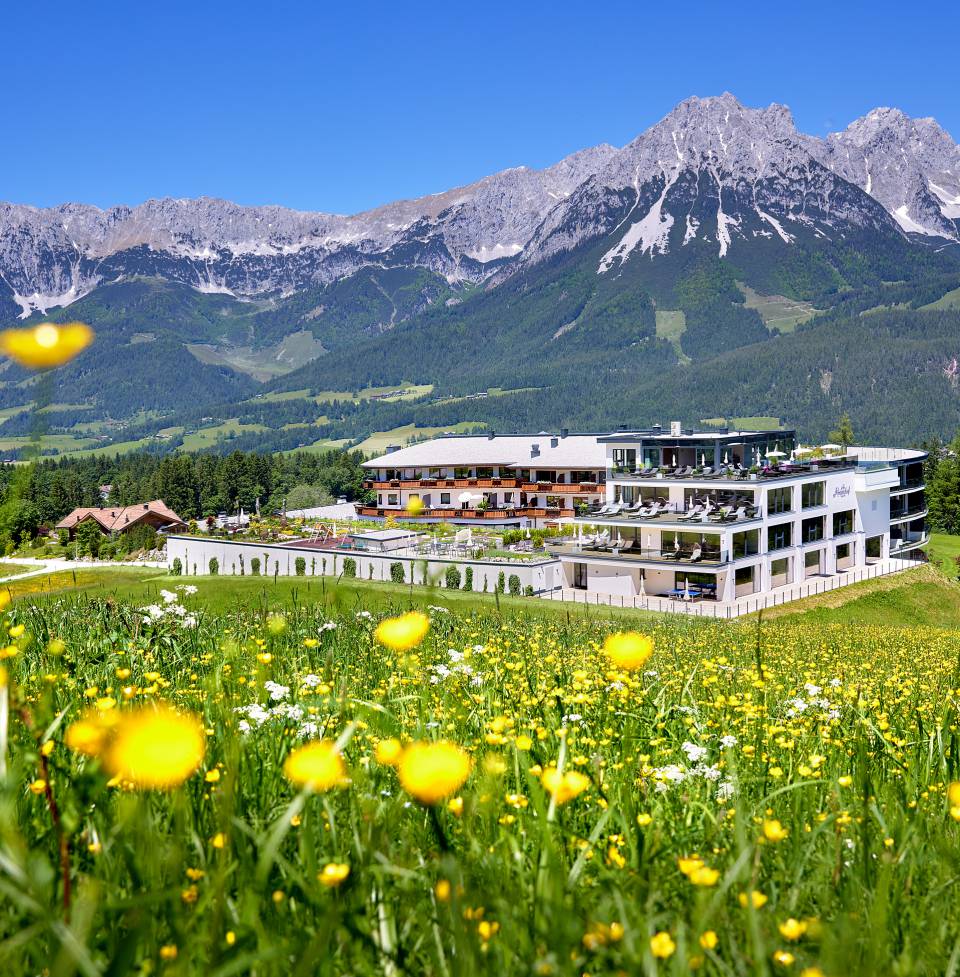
[[474, 515]]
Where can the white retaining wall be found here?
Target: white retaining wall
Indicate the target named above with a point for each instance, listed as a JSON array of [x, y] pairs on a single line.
[[195, 553]]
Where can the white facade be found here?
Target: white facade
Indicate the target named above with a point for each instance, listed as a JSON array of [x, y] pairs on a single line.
[[781, 527]]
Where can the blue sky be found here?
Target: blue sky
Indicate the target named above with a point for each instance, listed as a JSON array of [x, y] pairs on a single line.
[[340, 107]]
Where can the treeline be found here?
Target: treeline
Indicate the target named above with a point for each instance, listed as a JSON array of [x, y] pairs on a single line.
[[194, 486], [942, 477]]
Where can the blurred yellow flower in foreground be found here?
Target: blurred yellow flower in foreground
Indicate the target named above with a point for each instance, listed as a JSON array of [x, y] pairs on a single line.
[[433, 771], [662, 945], [90, 732], [47, 345], [415, 506], [317, 765], [757, 899], [155, 748], [792, 929], [404, 632], [628, 650], [388, 752], [333, 874], [774, 831], [565, 786]]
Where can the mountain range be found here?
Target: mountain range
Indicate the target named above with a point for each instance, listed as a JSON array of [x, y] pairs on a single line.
[[721, 236]]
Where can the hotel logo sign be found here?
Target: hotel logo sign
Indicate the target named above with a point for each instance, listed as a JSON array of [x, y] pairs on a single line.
[[841, 491]]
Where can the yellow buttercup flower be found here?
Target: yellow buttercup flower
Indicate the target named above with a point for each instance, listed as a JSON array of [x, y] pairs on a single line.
[[155, 747], [783, 957], [709, 940], [415, 506], [792, 929], [774, 831], [704, 876], [953, 794], [89, 734], [333, 874], [628, 650], [433, 771], [317, 766], [404, 632], [47, 345], [565, 786], [757, 899], [662, 945], [388, 752], [688, 864]]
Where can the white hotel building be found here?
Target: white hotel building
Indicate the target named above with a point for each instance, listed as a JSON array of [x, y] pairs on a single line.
[[733, 514], [713, 515]]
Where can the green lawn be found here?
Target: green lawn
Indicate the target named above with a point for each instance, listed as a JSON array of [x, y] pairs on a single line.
[[943, 551], [949, 301], [205, 437], [13, 569]]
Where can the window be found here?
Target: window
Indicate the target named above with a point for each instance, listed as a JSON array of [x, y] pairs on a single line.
[[843, 552], [812, 494], [780, 568], [812, 559], [461, 473], [744, 575], [779, 537], [746, 544], [392, 499], [379, 498], [444, 498], [484, 473], [434, 473], [545, 476], [843, 522], [779, 500], [624, 459], [580, 476], [874, 547], [681, 579], [811, 530]]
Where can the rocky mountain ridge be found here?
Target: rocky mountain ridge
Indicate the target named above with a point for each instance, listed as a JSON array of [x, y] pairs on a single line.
[[712, 172]]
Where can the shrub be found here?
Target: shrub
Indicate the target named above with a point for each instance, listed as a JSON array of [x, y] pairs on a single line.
[[397, 574], [514, 585], [501, 582], [528, 590], [63, 537], [176, 568], [255, 567], [242, 567], [300, 566], [452, 578], [349, 567], [468, 578], [214, 566]]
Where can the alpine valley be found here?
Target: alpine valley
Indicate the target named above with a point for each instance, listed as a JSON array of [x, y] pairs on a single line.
[[721, 266]]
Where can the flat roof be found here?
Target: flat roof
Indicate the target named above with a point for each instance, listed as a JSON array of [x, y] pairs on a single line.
[[384, 535]]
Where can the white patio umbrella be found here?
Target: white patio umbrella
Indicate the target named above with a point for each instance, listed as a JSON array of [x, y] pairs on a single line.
[[726, 458], [643, 589], [686, 588], [831, 447], [649, 541], [528, 532], [703, 459], [776, 453], [676, 543], [803, 451]]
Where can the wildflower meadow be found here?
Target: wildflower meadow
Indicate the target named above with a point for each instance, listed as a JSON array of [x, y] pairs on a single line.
[[436, 792]]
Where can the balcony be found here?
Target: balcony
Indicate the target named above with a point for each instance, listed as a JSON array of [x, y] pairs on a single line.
[[917, 512], [468, 515], [729, 473], [439, 483], [665, 514], [685, 556], [562, 488]]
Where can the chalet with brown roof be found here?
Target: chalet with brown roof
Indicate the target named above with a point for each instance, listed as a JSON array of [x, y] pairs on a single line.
[[121, 519]]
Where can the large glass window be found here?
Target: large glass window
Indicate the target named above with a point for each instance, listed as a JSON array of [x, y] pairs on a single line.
[[843, 522], [651, 457], [812, 530], [779, 537], [484, 473], [746, 544], [624, 459], [444, 498], [812, 494], [744, 575], [546, 476], [461, 473], [780, 568], [779, 500]]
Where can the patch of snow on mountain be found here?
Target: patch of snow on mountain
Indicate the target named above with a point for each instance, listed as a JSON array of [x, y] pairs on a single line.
[[775, 224], [650, 233], [42, 303], [902, 216], [950, 206]]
